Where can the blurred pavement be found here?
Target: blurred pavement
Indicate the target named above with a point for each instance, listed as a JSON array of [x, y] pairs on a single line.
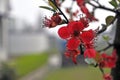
[[54, 62], [37, 74]]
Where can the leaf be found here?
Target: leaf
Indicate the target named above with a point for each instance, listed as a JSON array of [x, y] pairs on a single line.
[[106, 38], [48, 8], [90, 61], [52, 5], [114, 3], [109, 19]]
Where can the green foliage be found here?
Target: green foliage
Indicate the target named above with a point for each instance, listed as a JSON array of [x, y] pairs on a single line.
[[7, 72], [114, 3], [52, 8], [76, 73], [106, 38], [48, 8], [109, 19], [27, 63], [90, 61], [52, 5]]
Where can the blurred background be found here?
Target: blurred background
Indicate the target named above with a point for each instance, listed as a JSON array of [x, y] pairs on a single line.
[[30, 52]]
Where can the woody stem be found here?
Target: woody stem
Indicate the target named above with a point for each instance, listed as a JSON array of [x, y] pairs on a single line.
[[54, 2], [102, 7]]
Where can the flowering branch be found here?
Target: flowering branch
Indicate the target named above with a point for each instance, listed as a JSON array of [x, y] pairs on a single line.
[[103, 7], [79, 40], [104, 27], [54, 2]]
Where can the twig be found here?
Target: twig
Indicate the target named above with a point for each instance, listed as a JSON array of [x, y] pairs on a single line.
[[110, 45], [54, 2], [96, 1], [81, 49], [102, 7], [104, 27], [101, 69]]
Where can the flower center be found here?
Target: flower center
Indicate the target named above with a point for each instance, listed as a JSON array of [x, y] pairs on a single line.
[[76, 33]]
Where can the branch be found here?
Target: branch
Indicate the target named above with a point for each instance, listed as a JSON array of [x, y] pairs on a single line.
[[81, 49], [110, 45], [102, 7], [54, 2], [104, 27], [96, 1]]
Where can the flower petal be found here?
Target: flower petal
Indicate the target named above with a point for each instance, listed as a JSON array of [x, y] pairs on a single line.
[[87, 36], [73, 43], [90, 53], [63, 32]]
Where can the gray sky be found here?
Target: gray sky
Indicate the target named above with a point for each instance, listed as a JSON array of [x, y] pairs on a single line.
[[26, 9]]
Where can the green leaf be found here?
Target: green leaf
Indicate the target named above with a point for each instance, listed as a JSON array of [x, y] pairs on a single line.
[[52, 5], [48, 8], [90, 61], [114, 3], [109, 19], [106, 38]]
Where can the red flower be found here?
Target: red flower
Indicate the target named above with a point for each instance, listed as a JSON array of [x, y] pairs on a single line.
[[103, 64], [75, 27], [73, 43], [48, 22], [84, 9], [53, 21], [87, 13], [72, 54], [107, 77], [87, 36], [108, 60], [85, 22], [90, 53], [80, 2], [56, 18], [63, 32], [91, 17]]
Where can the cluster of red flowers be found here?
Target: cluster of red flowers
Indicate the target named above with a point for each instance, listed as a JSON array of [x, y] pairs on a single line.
[[107, 77], [81, 4], [53, 21], [108, 61], [75, 35]]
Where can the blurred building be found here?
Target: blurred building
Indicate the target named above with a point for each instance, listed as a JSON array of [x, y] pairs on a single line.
[[4, 13], [18, 37], [24, 39]]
